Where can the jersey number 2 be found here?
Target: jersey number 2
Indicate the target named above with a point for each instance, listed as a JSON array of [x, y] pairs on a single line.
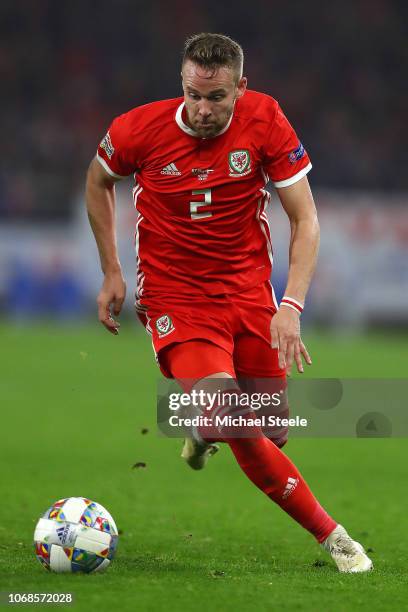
[[194, 206]]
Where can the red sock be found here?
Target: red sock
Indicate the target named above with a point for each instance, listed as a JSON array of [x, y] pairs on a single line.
[[272, 472]]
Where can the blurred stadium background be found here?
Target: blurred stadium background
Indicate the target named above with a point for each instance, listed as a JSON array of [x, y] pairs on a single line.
[[69, 67]]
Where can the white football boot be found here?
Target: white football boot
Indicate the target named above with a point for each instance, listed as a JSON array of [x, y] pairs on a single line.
[[349, 555], [196, 454]]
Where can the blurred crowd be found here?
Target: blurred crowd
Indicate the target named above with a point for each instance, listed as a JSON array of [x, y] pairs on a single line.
[[68, 67], [52, 272]]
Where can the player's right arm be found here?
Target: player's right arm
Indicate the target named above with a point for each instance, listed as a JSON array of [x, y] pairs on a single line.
[[100, 201]]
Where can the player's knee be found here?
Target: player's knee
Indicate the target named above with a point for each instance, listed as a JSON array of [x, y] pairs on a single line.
[[275, 429], [279, 442]]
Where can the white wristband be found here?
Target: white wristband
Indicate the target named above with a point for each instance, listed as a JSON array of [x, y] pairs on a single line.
[[292, 303]]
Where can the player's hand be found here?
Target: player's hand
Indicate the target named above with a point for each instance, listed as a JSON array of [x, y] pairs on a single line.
[[110, 300], [285, 336]]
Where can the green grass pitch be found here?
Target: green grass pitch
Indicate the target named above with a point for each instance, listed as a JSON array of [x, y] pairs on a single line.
[[74, 402]]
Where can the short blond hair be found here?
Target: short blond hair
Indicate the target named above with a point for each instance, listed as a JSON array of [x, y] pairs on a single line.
[[214, 50]]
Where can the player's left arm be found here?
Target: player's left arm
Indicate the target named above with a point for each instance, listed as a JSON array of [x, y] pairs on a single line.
[[298, 203]]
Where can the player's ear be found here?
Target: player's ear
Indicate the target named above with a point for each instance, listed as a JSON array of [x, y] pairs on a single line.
[[241, 87]]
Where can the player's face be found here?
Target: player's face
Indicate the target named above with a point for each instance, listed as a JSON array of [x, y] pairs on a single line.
[[209, 97]]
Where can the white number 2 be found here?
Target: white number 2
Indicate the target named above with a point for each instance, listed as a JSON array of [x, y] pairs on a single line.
[[194, 206]]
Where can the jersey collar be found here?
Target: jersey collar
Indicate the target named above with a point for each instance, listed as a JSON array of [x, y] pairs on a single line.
[[188, 130]]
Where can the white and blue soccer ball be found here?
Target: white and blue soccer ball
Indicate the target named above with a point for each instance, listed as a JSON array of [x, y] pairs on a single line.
[[75, 535]]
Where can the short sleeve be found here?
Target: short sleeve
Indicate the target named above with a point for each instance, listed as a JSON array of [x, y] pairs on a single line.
[[114, 153], [285, 158]]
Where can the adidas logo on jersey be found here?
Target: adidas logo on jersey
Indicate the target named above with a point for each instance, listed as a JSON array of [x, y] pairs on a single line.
[[171, 170], [290, 487]]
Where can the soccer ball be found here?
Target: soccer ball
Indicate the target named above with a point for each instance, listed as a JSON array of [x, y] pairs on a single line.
[[75, 535]]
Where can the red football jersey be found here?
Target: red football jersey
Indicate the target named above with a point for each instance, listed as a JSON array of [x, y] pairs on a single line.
[[202, 226]]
